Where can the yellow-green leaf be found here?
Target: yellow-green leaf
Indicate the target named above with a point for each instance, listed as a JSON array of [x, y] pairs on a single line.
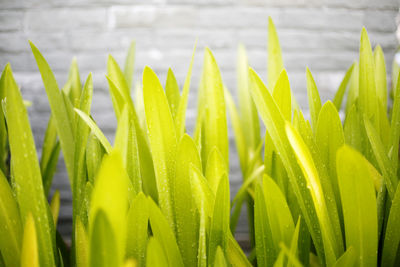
[[359, 205], [29, 250], [163, 142]]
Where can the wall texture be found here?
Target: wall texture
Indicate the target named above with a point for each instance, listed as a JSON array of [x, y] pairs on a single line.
[[320, 34]]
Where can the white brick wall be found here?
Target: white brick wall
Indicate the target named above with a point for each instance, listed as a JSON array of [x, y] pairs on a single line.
[[320, 34]]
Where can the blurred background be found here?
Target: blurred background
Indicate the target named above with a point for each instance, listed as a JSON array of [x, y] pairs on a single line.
[[321, 34]]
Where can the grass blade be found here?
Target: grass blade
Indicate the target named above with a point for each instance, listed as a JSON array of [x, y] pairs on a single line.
[[383, 160], [155, 254], [163, 142], [338, 99], [59, 111], [395, 128], [275, 62], [110, 197], [265, 250], [129, 65], [314, 101], [215, 124], [347, 259], [329, 137], [95, 129], [11, 230], [380, 76], [165, 235], [81, 136], [275, 124], [304, 158], [136, 238], [248, 112], [185, 206], [103, 244], [278, 212], [30, 248], [367, 91], [219, 231], [359, 205], [392, 233], [172, 93], [181, 112], [27, 176]]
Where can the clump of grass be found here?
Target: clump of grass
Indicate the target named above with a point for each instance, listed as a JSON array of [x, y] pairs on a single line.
[[324, 192]]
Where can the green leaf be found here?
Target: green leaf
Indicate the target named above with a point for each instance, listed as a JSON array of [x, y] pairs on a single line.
[[74, 83], [353, 94], [104, 249], [50, 153], [184, 204], [3, 129], [11, 227], [367, 87], [126, 142], [275, 124], [380, 76], [136, 238], [115, 74], [235, 254], [55, 207], [314, 101], [383, 160], [81, 136], [359, 205], [181, 112], [395, 129], [155, 254], [278, 212], [59, 111], [338, 99], [129, 64], [265, 250], [275, 62], [30, 248], [95, 129], [165, 235], [172, 93], [111, 197], [392, 233], [215, 123], [94, 155], [219, 230], [353, 129], [220, 260], [163, 142], [117, 97], [26, 170], [347, 259], [329, 137], [202, 243], [81, 244], [238, 130], [215, 169], [332, 246], [282, 95], [248, 112], [202, 193]]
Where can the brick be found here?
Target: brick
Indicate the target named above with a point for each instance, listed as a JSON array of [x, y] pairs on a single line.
[[320, 19], [383, 21], [11, 20], [43, 20], [151, 16]]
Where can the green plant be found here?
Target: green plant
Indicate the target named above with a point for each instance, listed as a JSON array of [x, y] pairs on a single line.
[[324, 193]]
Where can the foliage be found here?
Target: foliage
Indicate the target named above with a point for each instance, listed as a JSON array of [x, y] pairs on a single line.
[[325, 192]]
